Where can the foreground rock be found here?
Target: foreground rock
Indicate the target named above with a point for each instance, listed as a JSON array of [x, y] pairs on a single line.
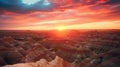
[[57, 62]]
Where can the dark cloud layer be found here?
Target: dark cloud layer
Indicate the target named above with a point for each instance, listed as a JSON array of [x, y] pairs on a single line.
[[18, 7], [12, 6], [113, 2]]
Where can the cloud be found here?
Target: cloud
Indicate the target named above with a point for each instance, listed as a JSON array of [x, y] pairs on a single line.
[[113, 2], [18, 7], [14, 13]]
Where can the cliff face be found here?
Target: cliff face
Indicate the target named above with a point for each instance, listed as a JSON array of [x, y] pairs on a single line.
[[57, 62]]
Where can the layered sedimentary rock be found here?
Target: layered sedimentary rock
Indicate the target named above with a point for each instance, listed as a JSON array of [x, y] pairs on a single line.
[[38, 52]]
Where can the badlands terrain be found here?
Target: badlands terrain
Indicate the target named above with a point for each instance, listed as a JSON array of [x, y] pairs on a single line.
[[73, 48]]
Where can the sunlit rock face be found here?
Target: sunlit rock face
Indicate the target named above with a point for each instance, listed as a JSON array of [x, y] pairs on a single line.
[[57, 62]]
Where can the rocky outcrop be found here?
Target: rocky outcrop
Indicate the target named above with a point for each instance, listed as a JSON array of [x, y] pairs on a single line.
[[57, 62]]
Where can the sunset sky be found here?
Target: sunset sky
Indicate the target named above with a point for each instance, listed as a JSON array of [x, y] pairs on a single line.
[[51, 14]]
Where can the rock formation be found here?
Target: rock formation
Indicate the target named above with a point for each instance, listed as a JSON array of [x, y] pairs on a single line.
[[57, 62]]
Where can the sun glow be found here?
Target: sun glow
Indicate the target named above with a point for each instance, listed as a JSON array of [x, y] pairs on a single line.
[[61, 28], [60, 32]]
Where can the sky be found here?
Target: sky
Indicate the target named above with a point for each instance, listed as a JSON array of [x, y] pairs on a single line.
[[51, 14]]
